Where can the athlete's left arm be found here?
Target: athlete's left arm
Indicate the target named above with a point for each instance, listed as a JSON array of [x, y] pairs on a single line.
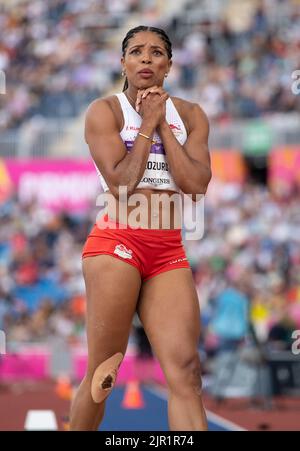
[[190, 163]]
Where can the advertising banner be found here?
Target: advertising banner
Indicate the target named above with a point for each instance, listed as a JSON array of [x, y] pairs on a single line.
[[73, 185], [70, 185], [284, 169], [228, 166]]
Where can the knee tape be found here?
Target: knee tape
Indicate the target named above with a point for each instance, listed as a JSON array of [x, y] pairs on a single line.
[[105, 377]]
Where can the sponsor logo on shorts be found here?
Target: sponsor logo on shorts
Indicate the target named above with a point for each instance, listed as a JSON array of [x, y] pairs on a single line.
[[121, 250], [178, 260]]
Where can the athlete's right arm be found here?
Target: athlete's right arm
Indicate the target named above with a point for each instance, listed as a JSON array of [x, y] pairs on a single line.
[[118, 167]]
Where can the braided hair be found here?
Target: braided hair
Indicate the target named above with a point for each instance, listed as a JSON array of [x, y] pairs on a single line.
[[131, 33]]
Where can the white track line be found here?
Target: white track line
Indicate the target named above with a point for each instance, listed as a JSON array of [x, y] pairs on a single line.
[[211, 416], [40, 420]]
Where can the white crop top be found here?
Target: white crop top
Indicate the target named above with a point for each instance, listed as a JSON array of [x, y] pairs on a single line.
[[157, 174]]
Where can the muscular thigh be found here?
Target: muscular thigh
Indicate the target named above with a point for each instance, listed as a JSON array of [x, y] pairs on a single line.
[[169, 311], [112, 288]]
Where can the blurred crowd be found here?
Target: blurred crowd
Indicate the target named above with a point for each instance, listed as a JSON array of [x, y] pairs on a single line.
[[41, 284], [56, 55], [246, 269], [239, 65], [60, 54]]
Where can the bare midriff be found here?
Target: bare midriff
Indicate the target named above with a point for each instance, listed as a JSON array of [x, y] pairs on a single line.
[[148, 209]]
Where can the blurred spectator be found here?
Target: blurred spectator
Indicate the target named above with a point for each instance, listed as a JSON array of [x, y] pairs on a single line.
[[230, 323]]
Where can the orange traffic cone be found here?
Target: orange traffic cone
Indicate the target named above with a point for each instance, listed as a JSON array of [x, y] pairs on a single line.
[[63, 388], [65, 423], [133, 398]]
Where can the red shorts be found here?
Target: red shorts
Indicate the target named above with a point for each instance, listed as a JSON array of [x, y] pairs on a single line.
[[151, 251]]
